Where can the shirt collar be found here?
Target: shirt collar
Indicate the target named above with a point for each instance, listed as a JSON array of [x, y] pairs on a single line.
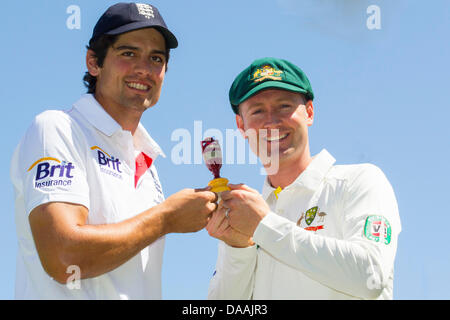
[[311, 177], [145, 143], [96, 115]]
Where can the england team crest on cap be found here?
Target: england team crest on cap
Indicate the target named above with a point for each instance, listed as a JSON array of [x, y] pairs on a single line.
[[145, 10]]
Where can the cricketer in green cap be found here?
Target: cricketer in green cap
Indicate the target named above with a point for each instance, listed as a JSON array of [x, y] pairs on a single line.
[[299, 237], [268, 73]]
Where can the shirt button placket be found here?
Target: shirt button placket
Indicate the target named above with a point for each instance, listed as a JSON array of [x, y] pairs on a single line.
[[279, 207]]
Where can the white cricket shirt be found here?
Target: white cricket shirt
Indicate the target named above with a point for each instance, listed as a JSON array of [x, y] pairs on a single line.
[[83, 156], [331, 234]]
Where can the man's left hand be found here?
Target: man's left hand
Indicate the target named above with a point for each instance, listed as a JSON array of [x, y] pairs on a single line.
[[247, 208]]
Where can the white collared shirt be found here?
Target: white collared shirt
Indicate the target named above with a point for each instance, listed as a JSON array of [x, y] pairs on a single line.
[[331, 234], [83, 156]]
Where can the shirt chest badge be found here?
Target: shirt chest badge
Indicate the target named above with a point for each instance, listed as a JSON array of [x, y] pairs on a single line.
[[312, 220], [108, 164]]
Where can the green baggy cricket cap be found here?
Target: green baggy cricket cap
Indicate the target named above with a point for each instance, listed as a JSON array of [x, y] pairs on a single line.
[[268, 73]]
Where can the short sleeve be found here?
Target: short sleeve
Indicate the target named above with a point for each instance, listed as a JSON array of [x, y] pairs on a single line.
[[48, 165]]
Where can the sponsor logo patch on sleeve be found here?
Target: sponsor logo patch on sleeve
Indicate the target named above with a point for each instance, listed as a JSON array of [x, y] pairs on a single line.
[[51, 172], [378, 229]]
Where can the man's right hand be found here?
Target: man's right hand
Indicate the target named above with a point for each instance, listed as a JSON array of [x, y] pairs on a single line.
[[63, 238], [188, 210]]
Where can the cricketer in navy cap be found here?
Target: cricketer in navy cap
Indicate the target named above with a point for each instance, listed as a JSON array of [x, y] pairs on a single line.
[[124, 17]]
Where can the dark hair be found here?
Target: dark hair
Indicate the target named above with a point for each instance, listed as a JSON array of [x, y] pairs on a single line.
[[100, 47]]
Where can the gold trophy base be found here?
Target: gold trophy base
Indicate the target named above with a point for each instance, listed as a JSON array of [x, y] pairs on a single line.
[[219, 185]]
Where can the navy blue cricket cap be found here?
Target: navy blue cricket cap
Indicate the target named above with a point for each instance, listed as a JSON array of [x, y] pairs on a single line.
[[124, 17]]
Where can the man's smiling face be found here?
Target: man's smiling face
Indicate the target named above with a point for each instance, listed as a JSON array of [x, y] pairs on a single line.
[[133, 71], [275, 110]]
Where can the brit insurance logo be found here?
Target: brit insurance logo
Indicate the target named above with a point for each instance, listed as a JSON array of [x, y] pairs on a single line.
[[51, 172], [108, 164]]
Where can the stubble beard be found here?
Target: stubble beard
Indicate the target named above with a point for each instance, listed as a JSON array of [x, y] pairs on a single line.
[[138, 103]]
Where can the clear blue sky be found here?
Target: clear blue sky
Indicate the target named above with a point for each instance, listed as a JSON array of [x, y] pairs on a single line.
[[381, 97]]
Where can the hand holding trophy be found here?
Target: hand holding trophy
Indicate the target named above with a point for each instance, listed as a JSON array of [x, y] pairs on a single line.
[[219, 225]]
